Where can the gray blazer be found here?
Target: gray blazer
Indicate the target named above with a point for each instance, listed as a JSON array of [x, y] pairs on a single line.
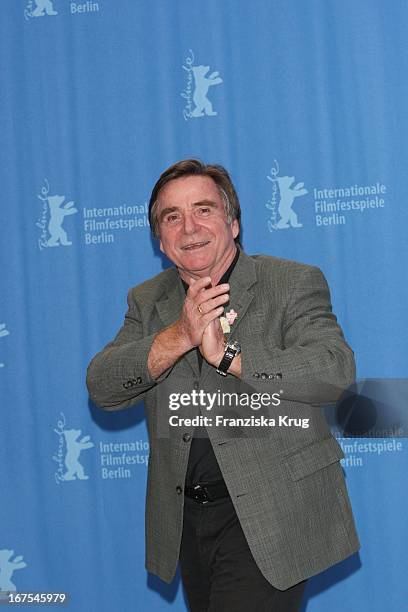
[[286, 483]]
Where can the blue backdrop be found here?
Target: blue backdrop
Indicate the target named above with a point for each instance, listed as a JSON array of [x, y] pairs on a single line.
[[305, 103]]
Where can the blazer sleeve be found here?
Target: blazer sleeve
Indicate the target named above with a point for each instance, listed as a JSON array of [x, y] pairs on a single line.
[[315, 364], [118, 377]]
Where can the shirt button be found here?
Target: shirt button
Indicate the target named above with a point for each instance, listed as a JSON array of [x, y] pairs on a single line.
[[186, 437], [179, 490]]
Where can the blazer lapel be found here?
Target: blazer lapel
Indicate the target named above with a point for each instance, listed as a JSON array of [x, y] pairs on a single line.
[[243, 277]]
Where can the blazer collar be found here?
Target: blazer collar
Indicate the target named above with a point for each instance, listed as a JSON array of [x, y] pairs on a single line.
[[243, 277]]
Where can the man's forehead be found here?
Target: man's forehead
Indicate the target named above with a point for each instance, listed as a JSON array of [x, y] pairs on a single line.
[[189, 190]]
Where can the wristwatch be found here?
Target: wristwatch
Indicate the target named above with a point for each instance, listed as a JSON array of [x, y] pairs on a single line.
[[232, 349]]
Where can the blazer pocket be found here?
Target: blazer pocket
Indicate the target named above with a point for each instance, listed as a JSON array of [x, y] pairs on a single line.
[[313, 457]]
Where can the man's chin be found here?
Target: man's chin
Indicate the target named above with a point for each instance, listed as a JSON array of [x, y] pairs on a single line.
[[195, 260], [195, 266]]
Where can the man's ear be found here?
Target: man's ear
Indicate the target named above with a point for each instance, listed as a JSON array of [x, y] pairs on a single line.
[[161, 247], [235, 228]]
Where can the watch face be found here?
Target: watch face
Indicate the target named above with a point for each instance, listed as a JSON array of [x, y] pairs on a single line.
[[235, 346], [232, 349]]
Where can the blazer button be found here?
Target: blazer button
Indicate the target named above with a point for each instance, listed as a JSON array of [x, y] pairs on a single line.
[[278, 374], [271, 376], [179, 490], [256, 375], [138, 380], [186, 437], [264, 375]]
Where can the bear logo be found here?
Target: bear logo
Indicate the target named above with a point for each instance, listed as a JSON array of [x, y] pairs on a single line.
[[74, 447], [7, 569], [58, 212], [52, 217], [202, 84], [287, 197], [43, 7], [283, 197]]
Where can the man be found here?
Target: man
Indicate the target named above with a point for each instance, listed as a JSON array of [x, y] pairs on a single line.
[[251, 513]]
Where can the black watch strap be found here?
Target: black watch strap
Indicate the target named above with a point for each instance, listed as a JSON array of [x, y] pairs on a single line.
[[231, 351]]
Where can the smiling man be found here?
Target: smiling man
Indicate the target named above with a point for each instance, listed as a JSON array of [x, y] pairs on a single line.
[[250, 516]]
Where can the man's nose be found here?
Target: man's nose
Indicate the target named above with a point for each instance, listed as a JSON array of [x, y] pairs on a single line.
[[189, 223]]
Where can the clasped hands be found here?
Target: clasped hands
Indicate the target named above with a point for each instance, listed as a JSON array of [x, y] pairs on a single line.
[[199, 322]]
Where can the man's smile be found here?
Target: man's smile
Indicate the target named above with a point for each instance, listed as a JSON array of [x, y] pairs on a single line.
[[195, 245]]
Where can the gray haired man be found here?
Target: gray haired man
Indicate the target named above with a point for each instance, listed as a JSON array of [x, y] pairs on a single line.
[[249, 513]]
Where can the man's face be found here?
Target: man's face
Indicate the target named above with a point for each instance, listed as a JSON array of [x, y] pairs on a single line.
[[193, 228]]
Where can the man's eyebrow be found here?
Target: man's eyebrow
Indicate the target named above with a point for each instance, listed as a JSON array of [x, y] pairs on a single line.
[[170, 209], [206, 202]]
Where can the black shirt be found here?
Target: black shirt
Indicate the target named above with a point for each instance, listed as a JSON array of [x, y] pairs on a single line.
[[202, 464]]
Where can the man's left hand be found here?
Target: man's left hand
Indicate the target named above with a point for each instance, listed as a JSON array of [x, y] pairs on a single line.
[[213, 343]]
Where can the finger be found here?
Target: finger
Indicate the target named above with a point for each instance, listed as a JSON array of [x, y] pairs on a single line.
[[198, 285], [213, 314], [207, 294], [209, 305]]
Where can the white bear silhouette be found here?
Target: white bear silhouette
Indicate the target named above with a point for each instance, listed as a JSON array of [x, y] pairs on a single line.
[[287, 196], [57, 214], [43, 6], [7, 567], [202, 84], [74, 448]]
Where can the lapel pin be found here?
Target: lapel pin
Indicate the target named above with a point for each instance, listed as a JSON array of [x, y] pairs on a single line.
[[225, 326], [231, 316]]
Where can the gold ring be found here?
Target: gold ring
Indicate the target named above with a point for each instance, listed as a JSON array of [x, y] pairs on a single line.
[[200, 310]]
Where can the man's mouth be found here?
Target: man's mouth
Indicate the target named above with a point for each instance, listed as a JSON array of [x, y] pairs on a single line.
[[195, 245]]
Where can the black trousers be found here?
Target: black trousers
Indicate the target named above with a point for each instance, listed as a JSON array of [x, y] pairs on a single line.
[[218, 571]]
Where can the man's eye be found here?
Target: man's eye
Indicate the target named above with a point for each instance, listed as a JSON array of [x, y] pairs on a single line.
[[204, 210], [172, 218]]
